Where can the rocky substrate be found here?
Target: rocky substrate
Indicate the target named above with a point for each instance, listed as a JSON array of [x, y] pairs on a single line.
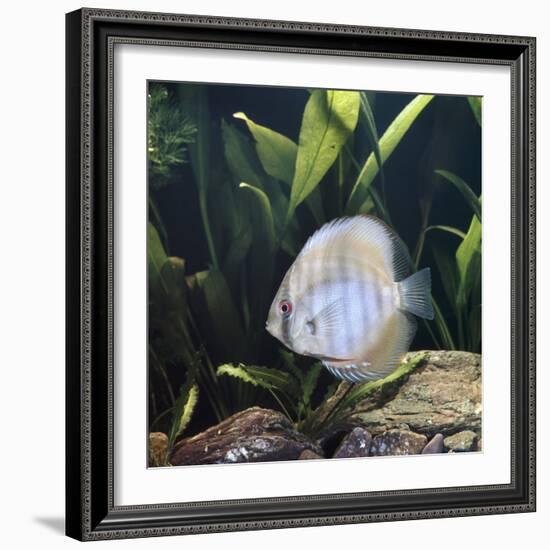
[[435, 408]]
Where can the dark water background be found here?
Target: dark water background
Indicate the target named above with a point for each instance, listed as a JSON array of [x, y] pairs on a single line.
[[445, 136]]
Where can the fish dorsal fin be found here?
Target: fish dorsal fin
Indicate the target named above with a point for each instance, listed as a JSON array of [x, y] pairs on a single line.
[[361, 237]]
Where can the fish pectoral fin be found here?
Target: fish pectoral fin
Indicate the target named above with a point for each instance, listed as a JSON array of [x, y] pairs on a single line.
[[328, 321]]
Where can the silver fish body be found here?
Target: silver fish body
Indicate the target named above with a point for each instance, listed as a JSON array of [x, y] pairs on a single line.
[[347, 299]]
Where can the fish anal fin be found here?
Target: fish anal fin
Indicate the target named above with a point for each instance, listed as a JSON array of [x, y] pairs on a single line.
[[394, 343], [385, 357]]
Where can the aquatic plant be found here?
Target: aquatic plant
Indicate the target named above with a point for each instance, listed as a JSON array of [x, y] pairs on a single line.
[[260, 195], [168, 133]]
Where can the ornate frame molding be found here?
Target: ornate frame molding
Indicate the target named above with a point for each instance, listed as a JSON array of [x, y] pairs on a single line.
[[91, 36]]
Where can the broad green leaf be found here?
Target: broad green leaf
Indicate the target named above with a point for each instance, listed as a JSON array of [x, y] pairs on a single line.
[[464, 189], [468, 258], [235, 231], [238, 249], [277, 153], [172, 274], [330, 117], [243, 162], [219, 321], [262, 258], [387, 144], [475, 105], [241, 156], [264, 219]]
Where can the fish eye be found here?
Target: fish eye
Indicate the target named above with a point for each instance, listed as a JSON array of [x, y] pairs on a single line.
[[285, 308]]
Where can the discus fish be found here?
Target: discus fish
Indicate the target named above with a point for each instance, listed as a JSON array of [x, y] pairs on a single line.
[[349, 301]]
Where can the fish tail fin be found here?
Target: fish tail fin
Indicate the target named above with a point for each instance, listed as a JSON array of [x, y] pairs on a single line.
[[415, 294]]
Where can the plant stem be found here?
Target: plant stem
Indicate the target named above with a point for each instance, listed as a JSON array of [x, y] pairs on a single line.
[[207, 231], [280, 404], [337, 404], [157, 363]]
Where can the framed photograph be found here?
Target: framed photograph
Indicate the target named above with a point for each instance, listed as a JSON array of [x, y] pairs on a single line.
[[300, 274]]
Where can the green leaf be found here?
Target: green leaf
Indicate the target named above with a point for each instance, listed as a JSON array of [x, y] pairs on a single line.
[[468, 258], [274, 378], [475, 105], [446, 229], [330, 117], [237, 372], [262, 257], [183, 411], [238, 249], [372, 132], [194, 100], [219, 321], [289, 362], [263, 377], [241, 156], [156, 256], [277, 153], [448, 273], [387, 144], [243, 162], [310, 382], [172, 274], [264, 220], [464, 189]]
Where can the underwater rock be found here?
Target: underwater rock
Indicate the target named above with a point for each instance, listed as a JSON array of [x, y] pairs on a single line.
[[397, 442], [441, 395], [434, 446], [461, 442], [356, 443], [158, 445], [252, 435], [309, 455]]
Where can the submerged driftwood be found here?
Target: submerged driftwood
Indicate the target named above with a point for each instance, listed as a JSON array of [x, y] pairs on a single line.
[[434, 408], [253, 435]]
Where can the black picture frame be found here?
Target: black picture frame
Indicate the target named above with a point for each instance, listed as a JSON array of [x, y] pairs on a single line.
[[90, 512]]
